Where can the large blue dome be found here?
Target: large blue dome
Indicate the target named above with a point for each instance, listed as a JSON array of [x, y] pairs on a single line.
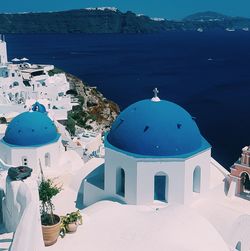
[[156, 129], [31, 129]]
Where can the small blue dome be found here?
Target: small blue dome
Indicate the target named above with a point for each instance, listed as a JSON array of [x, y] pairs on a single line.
[[31, 129], [37, 107], [156, 129]]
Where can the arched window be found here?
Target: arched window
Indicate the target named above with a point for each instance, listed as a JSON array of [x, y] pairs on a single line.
[[47, 159], [120, 182], [161, 187], [238, 246], [24, 161], [197, 180], [245, 182]]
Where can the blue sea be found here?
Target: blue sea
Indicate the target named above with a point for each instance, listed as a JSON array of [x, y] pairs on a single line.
[[206, 73]]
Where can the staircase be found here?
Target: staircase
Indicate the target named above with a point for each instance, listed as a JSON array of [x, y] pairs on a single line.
[[5, 239]]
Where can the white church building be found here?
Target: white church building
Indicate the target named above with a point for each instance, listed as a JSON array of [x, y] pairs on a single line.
[[156, 188], [33, 139], [147, 153]]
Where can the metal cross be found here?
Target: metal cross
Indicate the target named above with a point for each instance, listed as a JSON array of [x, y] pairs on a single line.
[[155, 91]]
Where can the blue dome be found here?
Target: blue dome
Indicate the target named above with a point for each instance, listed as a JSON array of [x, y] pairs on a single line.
[[156, 129], [37, 107], [31, 129]]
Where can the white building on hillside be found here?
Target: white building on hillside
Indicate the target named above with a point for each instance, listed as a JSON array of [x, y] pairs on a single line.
[[24, 83]]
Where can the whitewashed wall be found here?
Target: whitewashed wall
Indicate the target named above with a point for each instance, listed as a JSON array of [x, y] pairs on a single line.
[[140, 173], [21, 215], [147, 169], [201, 160], [3, 53], [113, 161], [14, 155]]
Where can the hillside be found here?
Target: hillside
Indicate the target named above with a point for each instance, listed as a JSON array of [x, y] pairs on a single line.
[[79, 21], [94, 112], [207, 16], [111, 20], [213, 20]]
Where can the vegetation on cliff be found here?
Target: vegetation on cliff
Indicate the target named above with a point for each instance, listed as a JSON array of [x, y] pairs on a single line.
[[94, 111]]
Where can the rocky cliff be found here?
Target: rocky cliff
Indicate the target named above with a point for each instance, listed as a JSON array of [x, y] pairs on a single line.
[[94, 112]]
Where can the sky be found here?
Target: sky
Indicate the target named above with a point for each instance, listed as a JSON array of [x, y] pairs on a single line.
[[172, 9]]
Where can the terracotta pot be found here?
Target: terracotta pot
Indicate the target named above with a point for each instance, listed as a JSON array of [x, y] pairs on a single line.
[[72, 227], [51, 233]]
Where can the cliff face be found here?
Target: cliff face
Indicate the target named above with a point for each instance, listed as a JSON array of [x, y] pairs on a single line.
[[207, 16], [108, 20], [212, 20], [94, 112], [78, 21]]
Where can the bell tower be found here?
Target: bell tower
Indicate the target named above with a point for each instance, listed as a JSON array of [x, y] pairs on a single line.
[[3, 50], [240, 173]]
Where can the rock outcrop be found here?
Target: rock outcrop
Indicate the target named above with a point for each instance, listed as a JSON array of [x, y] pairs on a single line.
[[94, 112]]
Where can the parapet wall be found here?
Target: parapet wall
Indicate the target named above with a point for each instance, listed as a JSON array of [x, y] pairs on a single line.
[[21, 214]]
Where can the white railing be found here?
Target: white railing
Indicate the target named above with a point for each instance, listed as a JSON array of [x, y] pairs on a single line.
[[4, 166]]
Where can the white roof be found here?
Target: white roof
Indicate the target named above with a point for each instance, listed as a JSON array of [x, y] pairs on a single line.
[[109, 226], [15, 60], [9, 108]]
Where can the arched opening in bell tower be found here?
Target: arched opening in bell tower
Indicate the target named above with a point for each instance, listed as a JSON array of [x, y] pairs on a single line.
[[245, 182]]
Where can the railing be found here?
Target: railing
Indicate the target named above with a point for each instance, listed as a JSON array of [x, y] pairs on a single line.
[[4, 166]]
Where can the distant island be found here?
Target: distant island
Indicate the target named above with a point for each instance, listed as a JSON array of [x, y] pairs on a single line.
[[111, 20]]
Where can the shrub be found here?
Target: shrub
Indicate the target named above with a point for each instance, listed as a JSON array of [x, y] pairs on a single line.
[[71, 125], [47, 190]]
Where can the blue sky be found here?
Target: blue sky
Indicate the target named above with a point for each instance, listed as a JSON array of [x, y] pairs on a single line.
[[154, 8]]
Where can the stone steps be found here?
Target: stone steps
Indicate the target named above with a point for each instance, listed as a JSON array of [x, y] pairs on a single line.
[[5, 241]]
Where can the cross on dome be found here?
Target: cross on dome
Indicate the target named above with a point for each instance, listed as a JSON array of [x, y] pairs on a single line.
[[155, 98], [155, 91]]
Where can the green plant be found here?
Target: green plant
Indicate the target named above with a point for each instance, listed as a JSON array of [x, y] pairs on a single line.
[[74, 217], [54, 71], [3, 120], [71, 125], [47, 190], [81, 100]]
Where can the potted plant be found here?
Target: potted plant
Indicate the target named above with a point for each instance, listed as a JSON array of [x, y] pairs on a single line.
[[70, 222], [50, 221]]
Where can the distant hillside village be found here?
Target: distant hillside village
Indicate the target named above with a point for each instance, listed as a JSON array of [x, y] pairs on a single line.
[[111, 20]]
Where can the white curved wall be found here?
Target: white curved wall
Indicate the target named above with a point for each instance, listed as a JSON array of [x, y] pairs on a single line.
[[21, 215]]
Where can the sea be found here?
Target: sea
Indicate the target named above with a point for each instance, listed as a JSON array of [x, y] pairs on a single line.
[[207, 73]]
